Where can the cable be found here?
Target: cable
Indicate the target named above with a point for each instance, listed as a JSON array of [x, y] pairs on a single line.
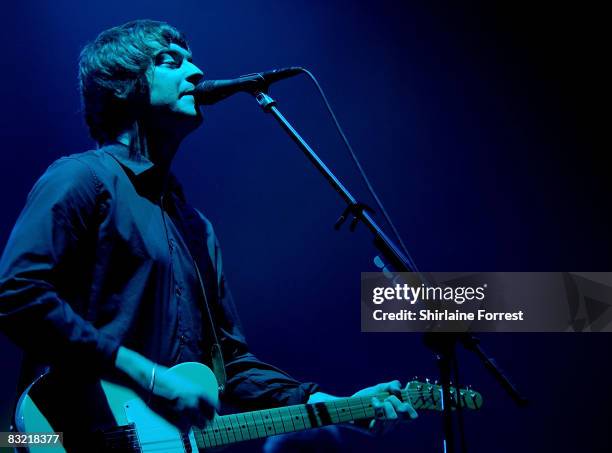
[[411, 262]]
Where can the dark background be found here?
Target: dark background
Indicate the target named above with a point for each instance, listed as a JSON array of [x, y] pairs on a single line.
[[480, 124]]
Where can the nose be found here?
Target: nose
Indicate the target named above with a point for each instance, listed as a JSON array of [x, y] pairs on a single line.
[[194, 74]]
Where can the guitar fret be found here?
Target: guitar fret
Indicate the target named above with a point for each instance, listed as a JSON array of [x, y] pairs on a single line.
[[218, 432], [253, 426], [243, 424], [277, 421], [230, 429], [209, 438], [261, 425], [305, 417], [280, 420], [236, 427], [334, 415], [285, 415], [226, 433], [356, 409], [296, 418], [197, 435], [269, 422], [359, 410], [203, 437], [224, 440], [343, 409], [368, 408], [212, 436]]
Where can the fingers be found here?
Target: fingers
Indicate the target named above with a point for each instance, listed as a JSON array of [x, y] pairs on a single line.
[[186, 412], [393, 387], [203, 416], [376, 425], [385, 417], [404, 411], [389, 412], [194, 415], [207, 409], [388, 409], [199, 411]]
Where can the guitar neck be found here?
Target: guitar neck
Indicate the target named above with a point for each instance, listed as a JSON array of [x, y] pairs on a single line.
[[233, 428], [229, 429]]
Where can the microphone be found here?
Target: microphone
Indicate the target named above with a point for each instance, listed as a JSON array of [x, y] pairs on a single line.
[[209, 92]]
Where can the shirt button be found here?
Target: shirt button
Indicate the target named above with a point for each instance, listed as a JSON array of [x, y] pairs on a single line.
[[179, 291], [182, 339]]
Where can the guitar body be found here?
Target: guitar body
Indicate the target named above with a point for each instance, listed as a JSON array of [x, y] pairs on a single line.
[[149, 430]]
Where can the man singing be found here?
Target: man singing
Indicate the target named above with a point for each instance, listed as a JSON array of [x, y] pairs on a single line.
[[110, 272]]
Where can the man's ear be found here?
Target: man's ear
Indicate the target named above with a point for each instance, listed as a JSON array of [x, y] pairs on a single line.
[[125, 90], [137, 90]]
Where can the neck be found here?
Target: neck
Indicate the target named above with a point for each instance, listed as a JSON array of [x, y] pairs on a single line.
[[161, 151], [158, 146]]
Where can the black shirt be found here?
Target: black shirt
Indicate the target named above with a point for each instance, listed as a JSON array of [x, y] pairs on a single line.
[[104, 254]]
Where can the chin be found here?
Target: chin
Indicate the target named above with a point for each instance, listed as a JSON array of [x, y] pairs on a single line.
[[192, 111], [192, 121]]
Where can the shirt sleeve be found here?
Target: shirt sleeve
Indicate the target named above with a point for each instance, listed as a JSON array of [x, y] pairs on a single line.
[[251, 383], [37, 269]]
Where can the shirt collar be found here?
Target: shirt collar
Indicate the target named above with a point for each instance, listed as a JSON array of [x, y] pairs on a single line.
[[139, 164]]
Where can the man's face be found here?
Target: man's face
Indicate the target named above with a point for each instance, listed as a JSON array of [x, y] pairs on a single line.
[[171, 78]]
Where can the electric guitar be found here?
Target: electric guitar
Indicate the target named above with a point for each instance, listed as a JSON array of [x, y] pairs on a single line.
[[138, 428]]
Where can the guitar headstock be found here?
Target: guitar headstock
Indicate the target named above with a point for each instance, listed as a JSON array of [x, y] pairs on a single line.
[[425, 395]]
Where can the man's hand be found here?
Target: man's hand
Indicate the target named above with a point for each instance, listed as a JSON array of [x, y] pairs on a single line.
[[184, 403], [390, 411], [178, 399]]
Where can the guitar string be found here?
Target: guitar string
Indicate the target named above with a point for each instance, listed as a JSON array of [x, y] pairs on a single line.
[[282, 419], [122, 431], [220, 427], [348, 400], [212, 440], [289, 417]]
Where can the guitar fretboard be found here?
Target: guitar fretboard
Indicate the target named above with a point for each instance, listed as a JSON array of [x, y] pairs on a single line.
[[233, 428], [229, 429]]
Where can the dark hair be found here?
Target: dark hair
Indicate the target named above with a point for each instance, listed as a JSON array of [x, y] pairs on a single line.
[[112, 74]]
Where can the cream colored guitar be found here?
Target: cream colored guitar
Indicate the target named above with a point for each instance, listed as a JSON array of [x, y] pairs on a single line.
[[140, 429]]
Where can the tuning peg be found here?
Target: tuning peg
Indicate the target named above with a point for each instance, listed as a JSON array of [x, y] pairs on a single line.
[[427, 380]]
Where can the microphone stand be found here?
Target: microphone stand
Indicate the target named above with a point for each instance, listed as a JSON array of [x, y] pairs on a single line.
[[358, 211], [443, 345], [382, 242]]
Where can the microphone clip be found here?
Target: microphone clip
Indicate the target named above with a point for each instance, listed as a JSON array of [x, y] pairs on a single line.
[[355, 210], [264, 100]]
